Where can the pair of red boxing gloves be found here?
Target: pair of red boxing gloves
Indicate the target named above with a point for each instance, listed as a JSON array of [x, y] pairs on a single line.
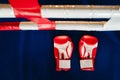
[[63, 48]]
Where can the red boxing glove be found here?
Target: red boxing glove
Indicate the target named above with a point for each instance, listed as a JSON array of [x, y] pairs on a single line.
[[87, 49], [63, 48]]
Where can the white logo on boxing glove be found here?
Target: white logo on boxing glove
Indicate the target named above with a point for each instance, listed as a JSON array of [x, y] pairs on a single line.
[[87, 49], [64, 49]]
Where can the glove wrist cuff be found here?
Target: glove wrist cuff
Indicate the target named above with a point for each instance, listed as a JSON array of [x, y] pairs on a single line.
[[86, 63], [64, 64]]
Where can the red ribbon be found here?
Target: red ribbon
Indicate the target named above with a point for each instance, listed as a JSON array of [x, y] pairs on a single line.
[[30, 9]]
